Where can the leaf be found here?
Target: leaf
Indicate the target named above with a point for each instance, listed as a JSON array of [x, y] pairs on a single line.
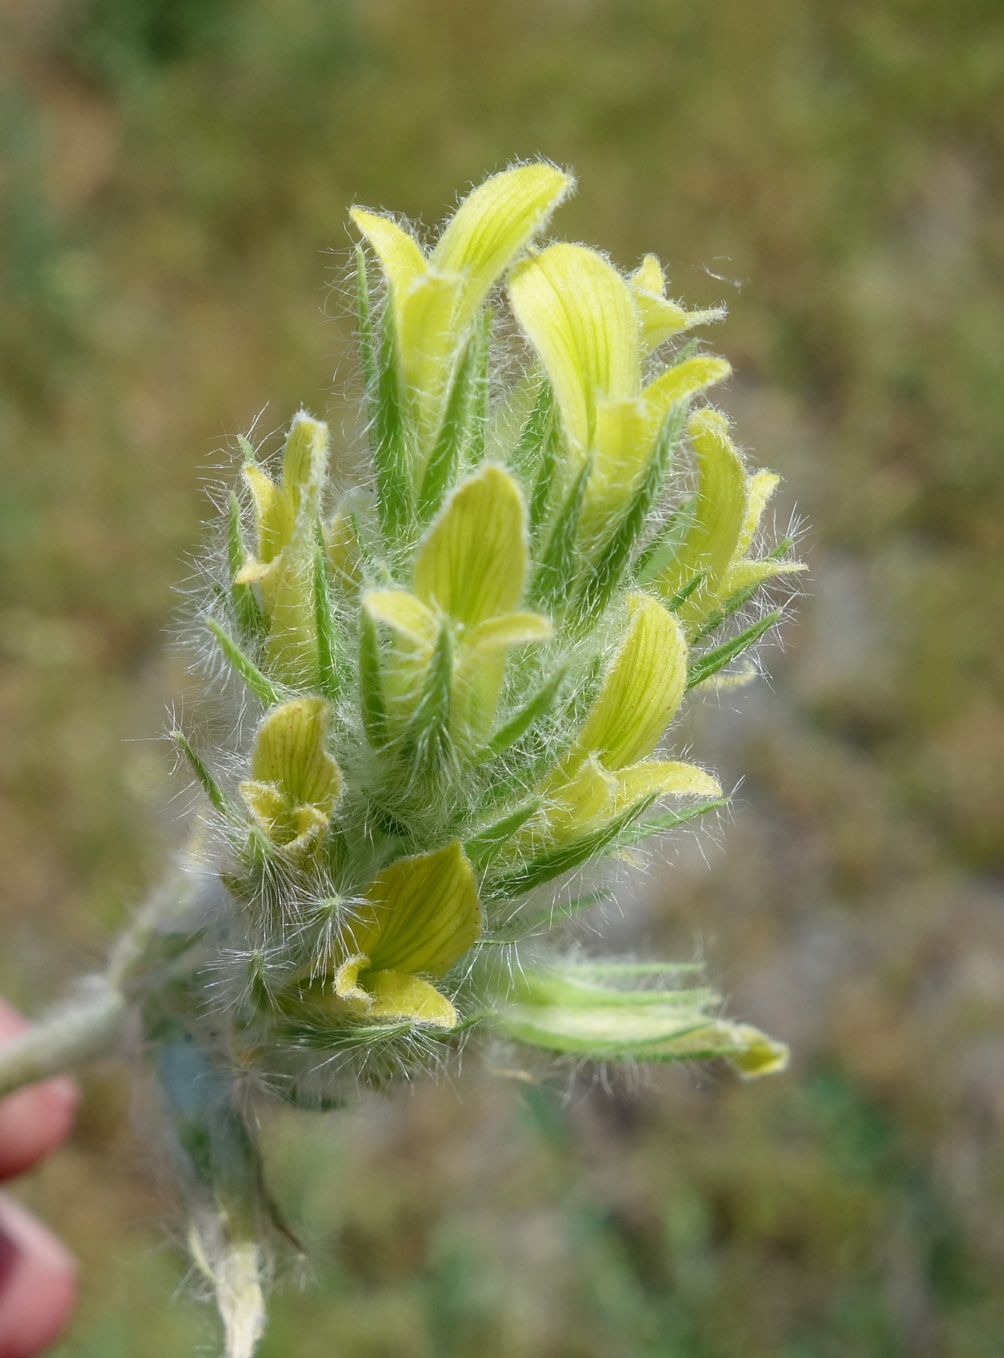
[[527, 451], [668, 820]]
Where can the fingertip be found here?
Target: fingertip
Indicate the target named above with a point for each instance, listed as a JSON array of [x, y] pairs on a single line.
[[38, 1283]]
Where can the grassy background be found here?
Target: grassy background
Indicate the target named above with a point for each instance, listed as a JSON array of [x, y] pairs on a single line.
[[175, 180]]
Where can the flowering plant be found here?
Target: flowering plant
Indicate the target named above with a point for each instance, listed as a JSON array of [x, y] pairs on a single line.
[[452, 688]]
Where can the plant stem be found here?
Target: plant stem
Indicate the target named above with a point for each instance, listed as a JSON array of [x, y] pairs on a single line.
[[84, 1028]]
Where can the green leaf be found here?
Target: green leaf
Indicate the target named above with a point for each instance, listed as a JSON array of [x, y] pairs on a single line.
[[685, 591], [373, 707], [557, 861], [328, 647], [390, 444], [742, 596], [483, 847], [712, 661], [558, 567], [262, 688], [521, 720], [611, 559]]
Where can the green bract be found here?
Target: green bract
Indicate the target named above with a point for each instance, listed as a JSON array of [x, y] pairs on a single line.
[[460, 681]]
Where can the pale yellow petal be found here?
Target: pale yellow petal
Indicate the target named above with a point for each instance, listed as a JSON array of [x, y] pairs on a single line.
[[493, 223], [682, 382], [427, 339], [710, 544], [642, 690], [744, 574], [473, 562], [273, 512], [661, 778], [402, 995], [577, 802], [578, 313], [760, 487], [289, 752], [404, 613], [305, 467], [397, 250], [421, 914], [511, 629]]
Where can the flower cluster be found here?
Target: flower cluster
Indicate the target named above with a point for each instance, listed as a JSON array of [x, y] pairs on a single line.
[[462, 678]]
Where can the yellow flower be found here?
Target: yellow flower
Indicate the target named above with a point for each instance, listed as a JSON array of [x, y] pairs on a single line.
[[295, 784], [591, 330], [469, 574], [607, 769], [729, 506], [420, 915], [286, 516], [435, 297]]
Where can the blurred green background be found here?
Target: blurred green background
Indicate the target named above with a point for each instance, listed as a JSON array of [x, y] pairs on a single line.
[[175, 181]]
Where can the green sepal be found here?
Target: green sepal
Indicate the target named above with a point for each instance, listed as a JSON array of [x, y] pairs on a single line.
[[364, 316], [611, 558], [426, 741], [529, 447], [242, 665], [712, 661], [520, 722], [518, 881], [372, 703], [685, 591], [668, 820], [484, 847], [390, 439], [217, 797], [558, 566], [478, 420], [742, 596], [657, 554], [328, 645], [540, 496], [444, 460], [250, 618]]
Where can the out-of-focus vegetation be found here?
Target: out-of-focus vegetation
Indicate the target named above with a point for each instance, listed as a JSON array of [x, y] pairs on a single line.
[[172, 250]]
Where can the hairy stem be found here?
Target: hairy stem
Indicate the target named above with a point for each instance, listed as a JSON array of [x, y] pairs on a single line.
[[83, 1029]]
